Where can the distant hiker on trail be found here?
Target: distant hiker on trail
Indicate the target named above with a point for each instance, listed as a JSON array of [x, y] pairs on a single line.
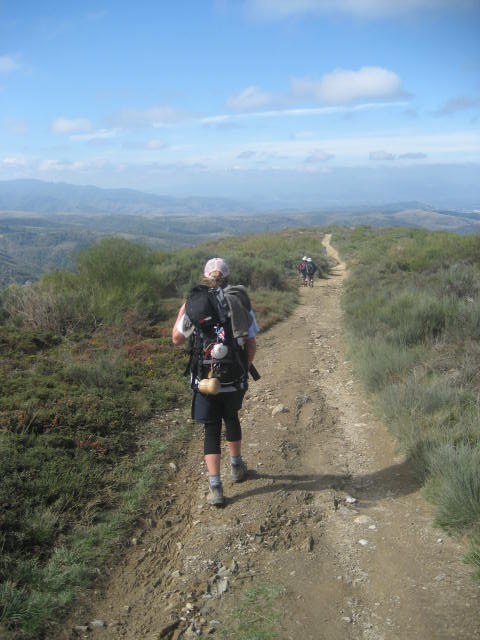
[[301, 269], [219, 321], [310, 268]]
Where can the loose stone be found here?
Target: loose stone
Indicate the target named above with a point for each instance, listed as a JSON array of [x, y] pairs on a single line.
[[278, 409], [97, 624], [363, 520]]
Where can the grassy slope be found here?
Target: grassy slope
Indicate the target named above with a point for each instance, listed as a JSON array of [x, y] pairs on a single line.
[[412, 310], [93, 403]]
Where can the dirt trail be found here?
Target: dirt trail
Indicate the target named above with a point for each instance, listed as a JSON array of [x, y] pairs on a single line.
[[328, 511]]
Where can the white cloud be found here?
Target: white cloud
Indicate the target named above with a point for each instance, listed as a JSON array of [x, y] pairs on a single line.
[[273, 9], [343, 86], [288, 113], [381, 155], [51, 165], [68, 126], [158, 117], [30, 166], [97, 134], [7, 64], [250, 98], [440, 147], [401, 149], [16, 161]]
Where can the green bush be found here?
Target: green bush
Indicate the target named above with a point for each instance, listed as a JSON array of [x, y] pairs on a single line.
[[45, 306], [380, 362], [466, 321], [415, 317], [461, 280], [454, 486], [473, 556]]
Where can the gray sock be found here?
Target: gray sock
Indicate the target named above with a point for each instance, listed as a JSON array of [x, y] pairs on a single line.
[[215, 481], [236, 459]]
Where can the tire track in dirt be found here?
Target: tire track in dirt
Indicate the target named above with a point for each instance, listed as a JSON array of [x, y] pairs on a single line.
[[324, 476]]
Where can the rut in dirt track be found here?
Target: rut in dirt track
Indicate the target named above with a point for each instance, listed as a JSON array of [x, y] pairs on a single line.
[[328, 512]]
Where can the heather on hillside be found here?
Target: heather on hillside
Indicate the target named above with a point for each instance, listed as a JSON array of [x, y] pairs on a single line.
[[412, 312]]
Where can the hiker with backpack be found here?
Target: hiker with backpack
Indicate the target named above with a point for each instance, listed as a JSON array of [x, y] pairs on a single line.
[[220, 325], [302, 270], [310, 268]]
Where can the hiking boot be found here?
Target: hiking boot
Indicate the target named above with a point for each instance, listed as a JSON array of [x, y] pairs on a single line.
[[239, 471], [215, 496]]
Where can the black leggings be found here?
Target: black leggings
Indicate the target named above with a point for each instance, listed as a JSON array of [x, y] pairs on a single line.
[[211, 410], [213, 433]]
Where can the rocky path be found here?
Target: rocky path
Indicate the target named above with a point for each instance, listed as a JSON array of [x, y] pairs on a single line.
[[328, 513]]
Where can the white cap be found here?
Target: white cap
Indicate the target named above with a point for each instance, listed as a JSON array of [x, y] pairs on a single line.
[[216, 264]]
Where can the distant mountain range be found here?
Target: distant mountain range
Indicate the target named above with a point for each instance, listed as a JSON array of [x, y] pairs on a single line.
[[59, 197], [42, 225], [55, 198]]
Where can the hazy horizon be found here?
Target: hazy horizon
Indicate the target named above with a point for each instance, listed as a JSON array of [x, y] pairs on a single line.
[[356, 193]]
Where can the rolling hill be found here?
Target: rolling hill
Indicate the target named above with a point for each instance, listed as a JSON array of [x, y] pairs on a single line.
[[42, 224]]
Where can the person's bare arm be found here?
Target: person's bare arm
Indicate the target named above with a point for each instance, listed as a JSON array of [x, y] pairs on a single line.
[[177, 337], [251, 347]]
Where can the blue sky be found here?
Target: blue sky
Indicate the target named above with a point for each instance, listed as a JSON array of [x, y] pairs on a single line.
[[294, 102]]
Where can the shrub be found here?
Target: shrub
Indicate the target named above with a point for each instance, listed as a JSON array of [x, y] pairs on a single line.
[[415, 317], [105, 372], [46, 307], [461, 280], [473, 556], [379, 362], [454, 486], [111, 263], [466, 322]]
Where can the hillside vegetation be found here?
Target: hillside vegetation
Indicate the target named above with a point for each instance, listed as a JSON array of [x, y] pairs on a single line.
[[412, 311], [38, 241], [34, 244], [93, 404]]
